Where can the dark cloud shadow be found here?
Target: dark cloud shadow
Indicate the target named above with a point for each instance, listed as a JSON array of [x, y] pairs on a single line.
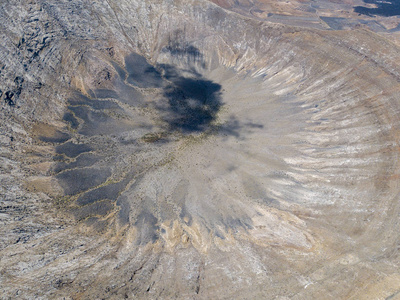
[[384, 8], [182, 50], [141, 73], [233, 127], [192, 102], [190, 51]]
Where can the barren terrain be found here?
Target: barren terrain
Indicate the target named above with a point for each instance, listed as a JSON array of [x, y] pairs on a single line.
[[198, 150]]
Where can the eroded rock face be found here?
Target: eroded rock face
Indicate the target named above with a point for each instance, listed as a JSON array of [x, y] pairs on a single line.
[[177, 150]]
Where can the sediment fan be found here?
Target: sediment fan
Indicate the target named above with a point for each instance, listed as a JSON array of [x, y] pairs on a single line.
[[160, 149]]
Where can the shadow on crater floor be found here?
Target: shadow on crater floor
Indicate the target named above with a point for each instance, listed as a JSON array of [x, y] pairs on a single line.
[[141, 73], [193, 102]]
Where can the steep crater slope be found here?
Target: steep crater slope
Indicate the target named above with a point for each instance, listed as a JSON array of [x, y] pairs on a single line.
[[179, 150]]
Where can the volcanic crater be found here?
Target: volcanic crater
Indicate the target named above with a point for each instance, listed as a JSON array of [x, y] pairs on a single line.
[[179, 150]]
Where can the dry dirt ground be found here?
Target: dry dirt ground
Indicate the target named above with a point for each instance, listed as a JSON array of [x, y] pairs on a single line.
[[198, 150]]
